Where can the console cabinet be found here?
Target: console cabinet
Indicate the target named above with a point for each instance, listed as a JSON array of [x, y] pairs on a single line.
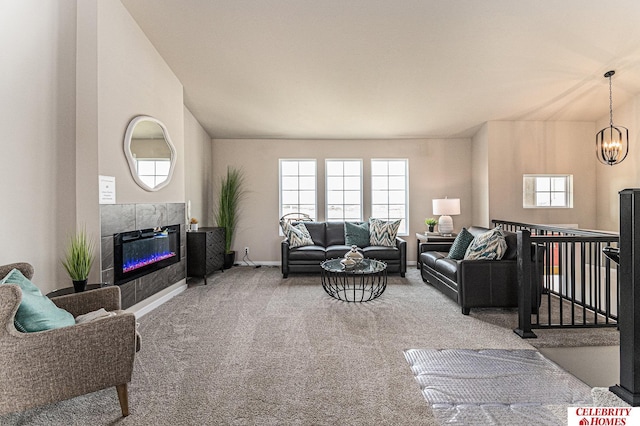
[[205, 252]]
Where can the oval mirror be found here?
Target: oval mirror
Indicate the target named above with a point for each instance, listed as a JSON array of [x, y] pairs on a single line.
[[150, 152]]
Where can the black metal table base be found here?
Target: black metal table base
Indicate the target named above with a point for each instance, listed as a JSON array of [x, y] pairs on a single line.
[[354, 287]]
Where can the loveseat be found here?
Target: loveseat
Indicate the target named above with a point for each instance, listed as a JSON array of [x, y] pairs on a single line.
[[329, 242], [479, 283]]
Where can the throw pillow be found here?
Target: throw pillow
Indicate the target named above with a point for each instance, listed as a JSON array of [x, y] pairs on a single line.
[[356, 234], [36, 312], [488, 246], [298, 235], [460, 245], [383, 233]]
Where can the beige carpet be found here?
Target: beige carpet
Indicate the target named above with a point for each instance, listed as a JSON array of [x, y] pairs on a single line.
[[253, 348]]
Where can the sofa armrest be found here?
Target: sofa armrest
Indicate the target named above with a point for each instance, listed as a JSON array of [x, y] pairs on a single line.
[[435, 246], [402, 246], [487, 283], [88, 301], [284, 253]]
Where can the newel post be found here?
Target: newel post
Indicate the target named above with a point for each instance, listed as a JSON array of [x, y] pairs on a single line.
[[524, 285], [629, 313]]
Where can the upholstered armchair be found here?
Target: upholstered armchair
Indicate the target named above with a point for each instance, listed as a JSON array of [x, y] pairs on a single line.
[[42, 367]]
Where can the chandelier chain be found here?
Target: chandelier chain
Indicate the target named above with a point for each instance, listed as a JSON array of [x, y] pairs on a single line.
[[610, 104]]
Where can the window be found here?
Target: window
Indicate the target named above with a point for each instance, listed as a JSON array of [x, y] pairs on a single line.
[[153, 172], [547, 191], [389, 191], [298, 187], [344, 190]]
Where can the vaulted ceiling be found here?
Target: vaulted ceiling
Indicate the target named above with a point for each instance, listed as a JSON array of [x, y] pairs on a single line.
[[314, 69]]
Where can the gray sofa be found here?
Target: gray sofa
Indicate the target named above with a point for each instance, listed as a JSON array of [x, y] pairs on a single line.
[[479, 283], [329, 243]]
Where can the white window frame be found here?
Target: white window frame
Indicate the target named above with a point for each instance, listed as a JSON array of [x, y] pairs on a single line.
[[404, 226], [328, 187], [298, 176], [530, 191]]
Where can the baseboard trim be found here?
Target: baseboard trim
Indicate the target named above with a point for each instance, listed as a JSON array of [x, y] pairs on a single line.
[[149, 304]]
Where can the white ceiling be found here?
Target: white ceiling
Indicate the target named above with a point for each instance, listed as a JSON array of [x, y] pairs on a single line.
[[315, 69]]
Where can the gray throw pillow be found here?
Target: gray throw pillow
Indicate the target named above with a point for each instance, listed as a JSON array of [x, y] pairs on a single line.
[[460, 245], [356, 234]]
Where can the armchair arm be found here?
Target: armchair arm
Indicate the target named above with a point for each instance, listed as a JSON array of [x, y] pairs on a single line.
[[92, 300], [284, 249], [24, 267]]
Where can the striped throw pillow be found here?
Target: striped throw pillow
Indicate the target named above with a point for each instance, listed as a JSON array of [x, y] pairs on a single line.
[[488, 246], [298, 235], [383, 233]]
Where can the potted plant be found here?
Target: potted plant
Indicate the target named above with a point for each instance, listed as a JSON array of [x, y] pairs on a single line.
[[79, 259], [228, 209], [194, 224], [431, 223]]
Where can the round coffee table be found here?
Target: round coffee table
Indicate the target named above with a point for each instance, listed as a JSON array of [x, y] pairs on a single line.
[[362, 283]]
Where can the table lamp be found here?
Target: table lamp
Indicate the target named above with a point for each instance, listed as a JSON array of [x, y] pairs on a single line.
[[445, 207]]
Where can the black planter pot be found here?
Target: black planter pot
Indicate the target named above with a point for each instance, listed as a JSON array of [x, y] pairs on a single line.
[[229, 260], [79, 286], [431, 228]]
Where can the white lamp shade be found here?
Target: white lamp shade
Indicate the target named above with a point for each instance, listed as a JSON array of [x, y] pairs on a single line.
[[446, 206]]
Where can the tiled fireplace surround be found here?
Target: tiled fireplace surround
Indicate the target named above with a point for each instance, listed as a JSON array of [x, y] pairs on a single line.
[[115, 218]]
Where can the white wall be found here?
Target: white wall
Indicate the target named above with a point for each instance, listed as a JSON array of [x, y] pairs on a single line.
[[612, 179], [120, 75], [480, 176], [37, 134], [437, 168], [198, 173], [523, 147]]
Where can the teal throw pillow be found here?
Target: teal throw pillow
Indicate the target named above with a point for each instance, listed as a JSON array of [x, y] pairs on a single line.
[[460, 245], [490, 245], [356, 234], [383, 233], [36, 312], [298, 235]]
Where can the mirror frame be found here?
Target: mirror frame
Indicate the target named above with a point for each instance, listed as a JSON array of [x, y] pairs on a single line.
[[131, 160]]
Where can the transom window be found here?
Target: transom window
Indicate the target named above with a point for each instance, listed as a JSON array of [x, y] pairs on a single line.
[[389, 191], [547, 191], [298, 187], [344, 190]]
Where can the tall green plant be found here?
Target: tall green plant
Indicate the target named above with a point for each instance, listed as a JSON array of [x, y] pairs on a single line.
[[79, 256], [231, 193]]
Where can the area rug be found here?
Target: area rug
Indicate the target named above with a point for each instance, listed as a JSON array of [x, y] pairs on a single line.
[[495, 386]]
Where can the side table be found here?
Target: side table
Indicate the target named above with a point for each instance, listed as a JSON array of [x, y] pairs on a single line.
[[426, 239]]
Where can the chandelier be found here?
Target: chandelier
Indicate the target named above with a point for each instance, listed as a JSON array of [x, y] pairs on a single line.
[[612, 143]]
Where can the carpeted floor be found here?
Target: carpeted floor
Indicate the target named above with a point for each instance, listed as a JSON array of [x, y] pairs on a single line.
[[253, 348]]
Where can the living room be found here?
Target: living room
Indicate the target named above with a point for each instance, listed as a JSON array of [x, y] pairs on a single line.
[[79, 71]]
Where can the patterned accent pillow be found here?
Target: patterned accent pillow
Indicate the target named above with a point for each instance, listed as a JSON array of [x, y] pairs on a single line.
[[460, 245], [298, 235], [382, 233], [356, 234], [490, 245]]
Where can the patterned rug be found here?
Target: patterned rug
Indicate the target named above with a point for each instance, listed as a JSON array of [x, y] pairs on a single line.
[[495, 387]]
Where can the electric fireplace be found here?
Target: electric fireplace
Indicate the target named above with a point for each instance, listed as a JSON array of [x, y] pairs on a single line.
[[140, 252]]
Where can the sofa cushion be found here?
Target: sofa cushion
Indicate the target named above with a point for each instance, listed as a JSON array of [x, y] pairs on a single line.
[[490, 245], [356, 234], [383, 233], [334, 234], [380, 253], [512, 245], [307, 253], [338, 250], [297, 234], [448, 268], [36, 312], [460, 245], [429, 258]]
